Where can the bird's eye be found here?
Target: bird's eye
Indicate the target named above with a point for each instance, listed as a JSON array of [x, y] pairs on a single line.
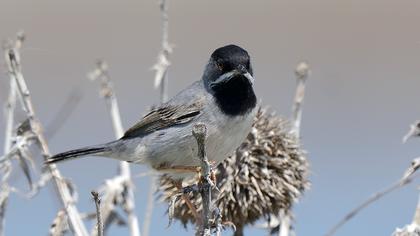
[[219, 66]]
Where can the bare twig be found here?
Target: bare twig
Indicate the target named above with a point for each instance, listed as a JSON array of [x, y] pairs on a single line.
[[302, 72], [14, 67], [126, 189], [161, 80], [99, 224], [149, 206], [161, 66], [408, 177], [199, 132], [413, 228], [8, 140]]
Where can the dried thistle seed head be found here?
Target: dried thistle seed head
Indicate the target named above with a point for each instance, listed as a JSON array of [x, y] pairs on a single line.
[[268, 172]]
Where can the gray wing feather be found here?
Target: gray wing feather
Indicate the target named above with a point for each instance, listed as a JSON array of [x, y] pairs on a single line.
[[163, 117]]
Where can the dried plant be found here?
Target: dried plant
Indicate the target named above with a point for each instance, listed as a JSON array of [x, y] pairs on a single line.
[[32, 131], [99, 224], [268, 172], [412, 229], [117, 191], [160, 80]]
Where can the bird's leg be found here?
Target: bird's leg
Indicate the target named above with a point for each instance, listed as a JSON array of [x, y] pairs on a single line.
[[213, 179], [178, 169], [189, 169], [193, 209]]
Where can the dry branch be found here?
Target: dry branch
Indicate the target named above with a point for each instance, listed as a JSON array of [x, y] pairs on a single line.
[[302, 73], [120, 186], [162, 64], [99, 224], [200, 132], [412, 229], [62, 188], [6, 167], [160, 80]]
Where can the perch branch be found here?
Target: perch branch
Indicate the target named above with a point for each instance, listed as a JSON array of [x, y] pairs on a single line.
[[108, 93], [99, 223], [199, 132], [14, 66]]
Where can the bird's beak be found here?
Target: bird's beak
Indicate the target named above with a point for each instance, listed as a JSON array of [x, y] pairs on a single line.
[[226, 77], [249, 77]]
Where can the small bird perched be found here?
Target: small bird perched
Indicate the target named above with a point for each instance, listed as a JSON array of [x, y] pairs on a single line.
[[224, 100]]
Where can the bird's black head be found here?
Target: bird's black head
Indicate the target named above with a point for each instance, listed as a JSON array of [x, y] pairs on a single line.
[[229, 77]]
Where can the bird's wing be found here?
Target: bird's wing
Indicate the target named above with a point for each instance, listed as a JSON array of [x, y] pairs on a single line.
[[163, 117]]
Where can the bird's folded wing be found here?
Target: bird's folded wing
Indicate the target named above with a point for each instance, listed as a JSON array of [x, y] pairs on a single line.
[[163, 117]]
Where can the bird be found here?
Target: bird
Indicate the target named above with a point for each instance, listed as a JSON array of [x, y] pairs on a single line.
[[223, 99]]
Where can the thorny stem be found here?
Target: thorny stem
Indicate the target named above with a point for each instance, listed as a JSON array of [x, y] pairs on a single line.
[[199, 132], [99, 224], [108, 93], [75, 222]]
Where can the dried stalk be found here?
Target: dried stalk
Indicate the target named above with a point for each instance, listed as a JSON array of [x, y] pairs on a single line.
[[124, 177], [161, 66], [408, 177], [99, 223], [199, 132], [62, 188], [8, 141], [413, 228], [302, 72], [161, 80]]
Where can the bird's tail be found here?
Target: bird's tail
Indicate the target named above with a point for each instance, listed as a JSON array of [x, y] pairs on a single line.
[[76, 153]]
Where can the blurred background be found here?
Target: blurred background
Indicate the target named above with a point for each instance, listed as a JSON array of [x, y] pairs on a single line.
[[361, 97]]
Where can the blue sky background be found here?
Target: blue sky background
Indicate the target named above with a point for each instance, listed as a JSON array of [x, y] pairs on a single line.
[[361, 97]]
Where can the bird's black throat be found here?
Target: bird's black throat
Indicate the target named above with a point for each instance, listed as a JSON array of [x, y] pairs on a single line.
[[235, 97]]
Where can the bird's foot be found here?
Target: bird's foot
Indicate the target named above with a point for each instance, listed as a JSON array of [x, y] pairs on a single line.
[[217, 224], [183, 193], [211, 179]]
